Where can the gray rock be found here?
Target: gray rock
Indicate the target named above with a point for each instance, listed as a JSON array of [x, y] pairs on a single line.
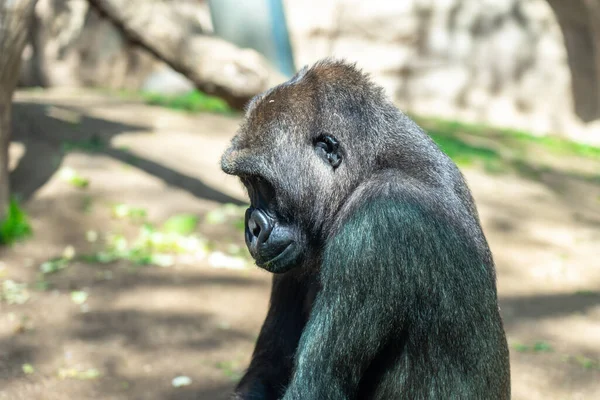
[[496, 61]]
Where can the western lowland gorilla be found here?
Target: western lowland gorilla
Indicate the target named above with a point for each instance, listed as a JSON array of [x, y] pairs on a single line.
[[384, 285]]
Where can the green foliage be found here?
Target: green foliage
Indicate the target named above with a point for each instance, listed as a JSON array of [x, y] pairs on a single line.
[[542, 347], [74, 373], [231, 213], [72, 177], [194, 101], [537, 347], [163, 245], [587, 363], [15, 226], [151, 247], [182, 224], [126, 211], [57, 264], [54, 265], [27, 369], [520, 347], [582, 361], [14, 293]]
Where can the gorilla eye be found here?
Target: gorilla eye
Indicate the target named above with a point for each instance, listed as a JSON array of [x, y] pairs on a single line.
[[328, 148]]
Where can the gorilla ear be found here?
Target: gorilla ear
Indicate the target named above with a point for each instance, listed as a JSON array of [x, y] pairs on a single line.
[[327, 148]]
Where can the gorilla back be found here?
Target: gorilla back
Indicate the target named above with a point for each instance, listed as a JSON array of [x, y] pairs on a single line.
[[384, 286]]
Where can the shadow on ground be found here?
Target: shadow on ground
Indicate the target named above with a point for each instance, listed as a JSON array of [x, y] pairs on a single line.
[[47, 138], [549, 306]]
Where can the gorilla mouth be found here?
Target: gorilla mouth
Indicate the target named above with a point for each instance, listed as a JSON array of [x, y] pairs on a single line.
[[273, 245], [280, 261]]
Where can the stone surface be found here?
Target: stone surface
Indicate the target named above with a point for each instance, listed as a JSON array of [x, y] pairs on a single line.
[[497, 61], [71, 45]]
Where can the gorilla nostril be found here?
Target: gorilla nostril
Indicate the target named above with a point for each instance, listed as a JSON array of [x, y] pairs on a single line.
[[259, 226], [253, 226]]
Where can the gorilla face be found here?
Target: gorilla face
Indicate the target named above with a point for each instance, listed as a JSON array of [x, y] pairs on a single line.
[[302, 149], [275, 243], [291, 190], [294, 172]]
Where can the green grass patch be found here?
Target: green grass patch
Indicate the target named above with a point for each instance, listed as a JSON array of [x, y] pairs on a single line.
[[537, 347], [466, 154], [15, 226], [509, 151], [445, 128], [194, 101], [558, 145]]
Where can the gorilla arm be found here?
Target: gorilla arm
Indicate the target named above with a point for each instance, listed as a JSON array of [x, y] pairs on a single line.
[[401, 279], [358, 308], [272, 361]]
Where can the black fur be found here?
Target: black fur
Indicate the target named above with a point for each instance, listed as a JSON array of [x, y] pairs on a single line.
[[388, 288]]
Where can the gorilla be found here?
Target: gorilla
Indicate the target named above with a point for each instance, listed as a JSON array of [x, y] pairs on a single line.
[[384, 286]]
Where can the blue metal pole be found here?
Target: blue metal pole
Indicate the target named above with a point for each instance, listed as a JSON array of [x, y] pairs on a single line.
[[255, 24], [285, 57]]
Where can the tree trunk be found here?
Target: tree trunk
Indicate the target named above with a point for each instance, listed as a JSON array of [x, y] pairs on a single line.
[[579, 21], [593, 11], [215, 66], [15, 18]]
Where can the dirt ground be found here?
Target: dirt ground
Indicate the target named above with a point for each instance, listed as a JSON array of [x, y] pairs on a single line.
[[142, 327]]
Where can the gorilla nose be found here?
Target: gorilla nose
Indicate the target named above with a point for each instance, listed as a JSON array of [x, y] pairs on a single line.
[[259, 226]]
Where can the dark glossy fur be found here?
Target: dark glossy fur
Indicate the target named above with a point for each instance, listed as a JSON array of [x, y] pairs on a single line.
[[395, 296]]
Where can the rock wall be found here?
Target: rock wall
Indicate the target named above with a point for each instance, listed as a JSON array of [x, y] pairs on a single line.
[[502, 62], [71, 45]]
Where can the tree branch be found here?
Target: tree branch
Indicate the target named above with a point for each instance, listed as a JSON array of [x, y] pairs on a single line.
[[215, 66]]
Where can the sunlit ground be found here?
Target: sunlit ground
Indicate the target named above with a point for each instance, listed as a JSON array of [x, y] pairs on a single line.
[[135, 276]]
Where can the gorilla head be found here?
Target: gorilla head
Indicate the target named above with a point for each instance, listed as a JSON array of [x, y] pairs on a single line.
[[304, 148]]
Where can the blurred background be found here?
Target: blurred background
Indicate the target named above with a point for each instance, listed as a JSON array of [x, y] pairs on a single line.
[[123, 271]]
